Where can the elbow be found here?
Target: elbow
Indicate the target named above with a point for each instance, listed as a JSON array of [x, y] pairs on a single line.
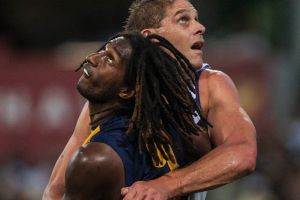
[[246, 163]]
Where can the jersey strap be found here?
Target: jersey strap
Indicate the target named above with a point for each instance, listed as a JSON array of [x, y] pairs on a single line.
[[93, 132]]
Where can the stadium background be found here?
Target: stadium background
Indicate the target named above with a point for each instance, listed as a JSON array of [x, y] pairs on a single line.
[[256, 42]]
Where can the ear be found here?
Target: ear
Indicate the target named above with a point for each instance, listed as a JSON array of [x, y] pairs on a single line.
[[148, 31], [126, 93]]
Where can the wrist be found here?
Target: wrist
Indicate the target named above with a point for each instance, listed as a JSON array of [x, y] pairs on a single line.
[[171, 184]]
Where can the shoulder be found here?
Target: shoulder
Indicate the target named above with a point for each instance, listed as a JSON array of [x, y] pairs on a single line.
[[94, 153], [94, 156], [224, 111], [95, 165], [216, 87], [215, 77]]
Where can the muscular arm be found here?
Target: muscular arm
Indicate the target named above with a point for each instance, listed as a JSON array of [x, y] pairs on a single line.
[[95, 172], [233, 136], [55, 187], [234, 139]]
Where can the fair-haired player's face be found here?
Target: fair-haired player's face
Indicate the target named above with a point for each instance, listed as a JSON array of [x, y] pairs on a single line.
[[103, 71], [182, 28]]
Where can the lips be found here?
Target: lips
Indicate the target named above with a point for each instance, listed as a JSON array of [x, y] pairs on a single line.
[[87, 72], [197, 45]]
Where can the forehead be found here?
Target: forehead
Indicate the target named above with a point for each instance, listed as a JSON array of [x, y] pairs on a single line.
[[121, 45], [180, 6]]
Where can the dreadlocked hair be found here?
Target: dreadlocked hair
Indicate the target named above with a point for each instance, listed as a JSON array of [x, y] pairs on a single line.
[[163, 80]]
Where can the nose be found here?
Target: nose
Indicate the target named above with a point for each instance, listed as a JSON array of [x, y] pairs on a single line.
[[92, 58], [199, 28]]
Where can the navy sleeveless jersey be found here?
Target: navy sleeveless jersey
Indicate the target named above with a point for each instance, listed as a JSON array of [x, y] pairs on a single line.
[[137, 166]]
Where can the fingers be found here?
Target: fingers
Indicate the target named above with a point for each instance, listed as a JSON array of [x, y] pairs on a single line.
[[124, 191], [134, 192], [129, 193], [142, 191]]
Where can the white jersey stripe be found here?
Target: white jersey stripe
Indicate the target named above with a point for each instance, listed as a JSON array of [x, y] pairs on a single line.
[[198, 195]]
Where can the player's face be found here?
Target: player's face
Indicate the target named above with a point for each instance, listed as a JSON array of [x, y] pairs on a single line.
[[182, 28], [103, 71]]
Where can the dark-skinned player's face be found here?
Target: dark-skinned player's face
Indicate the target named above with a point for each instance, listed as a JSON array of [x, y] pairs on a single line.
[[103, 71]]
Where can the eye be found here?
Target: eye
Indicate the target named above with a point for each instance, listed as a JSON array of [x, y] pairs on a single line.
[[108, 59], [183, 20]]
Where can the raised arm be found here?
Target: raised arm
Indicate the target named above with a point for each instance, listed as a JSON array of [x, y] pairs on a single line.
[[55, 187], [94, 172], [233, 137]]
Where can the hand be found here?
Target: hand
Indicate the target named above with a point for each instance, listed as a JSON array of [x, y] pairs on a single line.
[[145, 190]]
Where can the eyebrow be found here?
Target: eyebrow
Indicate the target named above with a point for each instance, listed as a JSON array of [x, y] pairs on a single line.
[[123, 51], [185, 10]]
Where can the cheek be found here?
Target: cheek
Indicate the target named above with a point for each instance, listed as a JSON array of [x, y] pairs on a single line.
[[177, 42], [183, 47], [101, 80], [168, 32], [112, 79]]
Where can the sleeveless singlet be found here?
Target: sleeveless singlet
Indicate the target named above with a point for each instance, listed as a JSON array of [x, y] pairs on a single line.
[[138, 167]]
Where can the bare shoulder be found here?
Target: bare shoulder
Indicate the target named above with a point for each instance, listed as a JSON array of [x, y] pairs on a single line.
[[95, 160], [95, 154], [94, 170], [218, 79], [216, 88], [224, 111]]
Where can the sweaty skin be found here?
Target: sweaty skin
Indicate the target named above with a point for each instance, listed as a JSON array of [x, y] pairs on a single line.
[[88, 171], [233, 135]]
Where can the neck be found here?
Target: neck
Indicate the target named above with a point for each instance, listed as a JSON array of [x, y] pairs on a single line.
[[98, 112]]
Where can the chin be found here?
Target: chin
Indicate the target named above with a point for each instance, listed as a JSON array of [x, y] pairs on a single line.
[[80, 89], [197, 64]]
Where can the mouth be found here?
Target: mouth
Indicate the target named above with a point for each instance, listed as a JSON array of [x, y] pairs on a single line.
[[87, 72], [197, 45]]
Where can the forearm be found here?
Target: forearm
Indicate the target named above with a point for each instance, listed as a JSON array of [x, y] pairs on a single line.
[[53, 192], [55, 187], [221, 166]]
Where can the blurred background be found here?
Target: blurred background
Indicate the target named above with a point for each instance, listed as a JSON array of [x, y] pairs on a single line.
[[256, 42]]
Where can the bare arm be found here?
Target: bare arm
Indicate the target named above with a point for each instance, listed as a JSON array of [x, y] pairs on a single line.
[[55, 187], [94, 172], [233, 136], [234, 155]]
